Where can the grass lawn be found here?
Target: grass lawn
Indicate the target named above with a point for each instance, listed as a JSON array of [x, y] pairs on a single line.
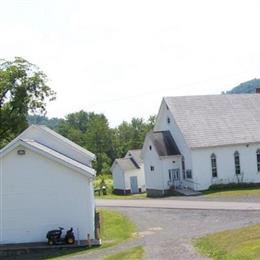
[[233, 192], [135, 253], [115, 228], [242, 243], [123, 197]]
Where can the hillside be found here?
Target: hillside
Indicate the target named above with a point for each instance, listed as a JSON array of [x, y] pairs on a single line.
[[245, 87]]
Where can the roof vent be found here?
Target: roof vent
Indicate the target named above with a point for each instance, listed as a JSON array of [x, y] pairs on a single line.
[[21, 152]]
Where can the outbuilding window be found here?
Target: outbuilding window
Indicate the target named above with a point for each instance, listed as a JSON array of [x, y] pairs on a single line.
[[214, 165], [168, 120], [152, 168], [258, 159], [237, 162]]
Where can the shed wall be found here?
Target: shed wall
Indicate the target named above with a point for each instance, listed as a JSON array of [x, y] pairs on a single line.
[[39, 194]]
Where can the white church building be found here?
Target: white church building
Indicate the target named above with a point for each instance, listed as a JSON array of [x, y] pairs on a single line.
[[203, 140]]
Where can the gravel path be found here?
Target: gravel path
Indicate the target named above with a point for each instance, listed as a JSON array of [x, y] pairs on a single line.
[[166, 227], [99, 254], [168, 233], [180, 204]]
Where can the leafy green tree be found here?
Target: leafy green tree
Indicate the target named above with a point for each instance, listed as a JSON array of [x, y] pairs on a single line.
[[91, 131], [23, 89], [98, 140], [79, 120], [151, 122], [52, 123], [131, 135], [75, 126], [123, 138]]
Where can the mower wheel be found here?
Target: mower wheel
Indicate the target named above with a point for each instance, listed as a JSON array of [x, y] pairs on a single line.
[[50, 242], [70, 241]]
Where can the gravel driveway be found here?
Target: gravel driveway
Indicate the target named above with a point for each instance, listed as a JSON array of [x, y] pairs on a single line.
[[167, 233], [180, 204]]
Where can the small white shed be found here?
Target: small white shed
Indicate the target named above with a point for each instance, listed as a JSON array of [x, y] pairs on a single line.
[[46, 182], [128, 173]]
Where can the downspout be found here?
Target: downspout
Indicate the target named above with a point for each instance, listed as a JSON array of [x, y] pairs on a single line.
[[124, 183]]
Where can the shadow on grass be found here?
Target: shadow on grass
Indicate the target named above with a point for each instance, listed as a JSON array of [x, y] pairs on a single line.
[[49, 253]]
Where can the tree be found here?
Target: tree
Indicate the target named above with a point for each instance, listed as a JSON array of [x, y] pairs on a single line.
[[98, 140], [75, 126], [123, 138], [131, 135], [52, 123], [92, 132], [23, 89], [79, 120]]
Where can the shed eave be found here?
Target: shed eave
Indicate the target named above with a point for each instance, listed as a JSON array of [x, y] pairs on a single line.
[[90, 173], [223, 145]]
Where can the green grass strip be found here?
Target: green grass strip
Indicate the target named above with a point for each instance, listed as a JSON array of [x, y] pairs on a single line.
[[242, 243]]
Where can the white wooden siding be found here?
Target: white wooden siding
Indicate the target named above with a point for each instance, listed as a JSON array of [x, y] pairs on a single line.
[[153, 179], [225, 165], [121, 178], [39, 195], [163, 125], [118, 177], [139, 173]]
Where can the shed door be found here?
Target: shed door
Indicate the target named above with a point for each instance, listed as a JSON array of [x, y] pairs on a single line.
[[134, 185]]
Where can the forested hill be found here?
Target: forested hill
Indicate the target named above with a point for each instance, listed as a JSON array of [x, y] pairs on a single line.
[[245, 87]]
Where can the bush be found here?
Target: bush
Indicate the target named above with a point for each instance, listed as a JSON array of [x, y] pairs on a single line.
[[233, 185], [107, 179]]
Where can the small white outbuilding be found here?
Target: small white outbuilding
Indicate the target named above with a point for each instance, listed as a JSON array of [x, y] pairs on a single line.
[[128, 173], [46, 182]]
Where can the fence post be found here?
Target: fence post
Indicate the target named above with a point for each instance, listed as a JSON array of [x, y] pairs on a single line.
[[78, 242], [89, 241], [97, 225]]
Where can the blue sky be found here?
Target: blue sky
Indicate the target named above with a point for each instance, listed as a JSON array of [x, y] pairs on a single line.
[[121, 57]]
